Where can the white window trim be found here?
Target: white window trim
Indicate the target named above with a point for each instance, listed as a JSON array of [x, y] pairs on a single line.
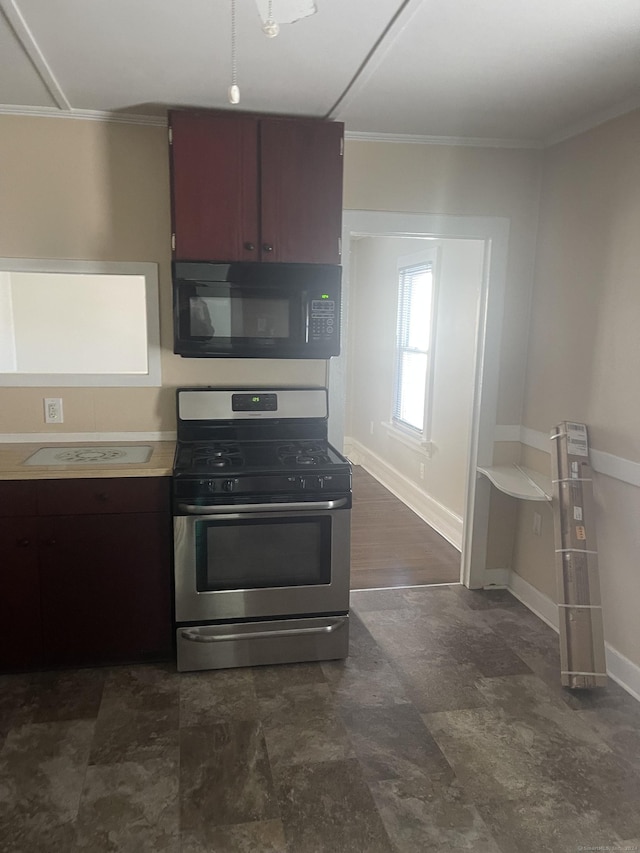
[[153, 376], [395, 428], [409, 439]]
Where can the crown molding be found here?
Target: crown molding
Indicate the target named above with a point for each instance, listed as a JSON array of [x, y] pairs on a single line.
[[593, 121], [465, 141], [161, 121], [86, 115], [350, 135]]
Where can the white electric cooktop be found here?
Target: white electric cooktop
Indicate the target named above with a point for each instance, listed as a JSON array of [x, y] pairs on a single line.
[[104, 454]]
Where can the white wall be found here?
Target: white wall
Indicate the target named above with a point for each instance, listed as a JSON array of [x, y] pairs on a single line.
[[371, 347]]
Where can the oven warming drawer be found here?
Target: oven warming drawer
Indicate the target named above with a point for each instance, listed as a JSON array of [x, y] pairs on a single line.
[[257, 643]]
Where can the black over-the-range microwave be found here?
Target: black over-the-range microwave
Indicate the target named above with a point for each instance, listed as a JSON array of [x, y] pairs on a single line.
[[256, 310]]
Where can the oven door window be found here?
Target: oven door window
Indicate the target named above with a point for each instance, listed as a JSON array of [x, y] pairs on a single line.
[[263, 553]]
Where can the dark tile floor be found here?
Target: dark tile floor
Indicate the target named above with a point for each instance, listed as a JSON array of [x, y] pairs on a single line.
[[444, 730]]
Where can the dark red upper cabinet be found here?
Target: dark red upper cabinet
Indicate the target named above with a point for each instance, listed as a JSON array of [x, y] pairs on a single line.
[[256, 188], [214, 187], [301, 183]]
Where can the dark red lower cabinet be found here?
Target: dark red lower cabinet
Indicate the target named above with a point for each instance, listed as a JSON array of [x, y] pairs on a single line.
[[20, 615], [105, 589], [87, 589]]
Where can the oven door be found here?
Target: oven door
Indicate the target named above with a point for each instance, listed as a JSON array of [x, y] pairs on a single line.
[[266, 560]]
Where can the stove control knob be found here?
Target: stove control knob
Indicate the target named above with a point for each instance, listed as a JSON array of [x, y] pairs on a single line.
[[311, 482], [211, 486], [227, 485]]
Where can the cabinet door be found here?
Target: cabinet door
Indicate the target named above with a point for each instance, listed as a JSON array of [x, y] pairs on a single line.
[[214, 187], [105, 583], [20, 623], [301, 183]]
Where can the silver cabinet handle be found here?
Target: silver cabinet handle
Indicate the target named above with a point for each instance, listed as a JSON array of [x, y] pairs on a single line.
[[194, 636], [194, 509]]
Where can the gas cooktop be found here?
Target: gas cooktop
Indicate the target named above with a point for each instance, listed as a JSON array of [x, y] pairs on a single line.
[[269, 442], [214, 457]]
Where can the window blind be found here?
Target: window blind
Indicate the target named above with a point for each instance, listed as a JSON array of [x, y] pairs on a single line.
[[412, 344]]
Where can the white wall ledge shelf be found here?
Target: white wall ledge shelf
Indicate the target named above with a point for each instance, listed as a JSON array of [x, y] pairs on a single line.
[[522, 483]]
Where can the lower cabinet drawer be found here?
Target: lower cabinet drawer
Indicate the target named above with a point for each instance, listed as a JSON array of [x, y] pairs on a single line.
[[108, 495], [18, 497]]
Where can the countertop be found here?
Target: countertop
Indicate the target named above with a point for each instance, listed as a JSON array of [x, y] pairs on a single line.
[[12, 457]]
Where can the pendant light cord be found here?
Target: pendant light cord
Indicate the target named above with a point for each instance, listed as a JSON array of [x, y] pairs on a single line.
[[233, 91], [234, 65]]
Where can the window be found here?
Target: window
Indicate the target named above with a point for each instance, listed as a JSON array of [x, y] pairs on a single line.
[[78, 323], [414, 341]]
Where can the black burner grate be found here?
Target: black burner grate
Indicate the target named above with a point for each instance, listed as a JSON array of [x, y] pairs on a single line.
[[218, 455], [307, 453]]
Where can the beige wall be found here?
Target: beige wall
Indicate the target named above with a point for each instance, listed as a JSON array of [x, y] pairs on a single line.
[[584, 349], [100, 191], [373, 300], [585, 346], [458, 180]]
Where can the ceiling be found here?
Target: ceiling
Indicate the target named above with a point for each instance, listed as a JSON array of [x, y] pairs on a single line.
[[500, 71]]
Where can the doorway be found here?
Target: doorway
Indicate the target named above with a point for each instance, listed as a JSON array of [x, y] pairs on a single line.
[[492, 232]]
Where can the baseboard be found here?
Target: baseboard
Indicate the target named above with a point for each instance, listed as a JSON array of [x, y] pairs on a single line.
[[620, 669], [539, 603], [443, 520], [496, 578]]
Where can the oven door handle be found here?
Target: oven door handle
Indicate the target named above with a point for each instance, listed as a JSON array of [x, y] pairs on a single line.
[[194, 635], [194, 509]]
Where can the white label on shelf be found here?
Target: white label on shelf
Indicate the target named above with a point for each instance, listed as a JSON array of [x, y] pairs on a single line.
[[577, 440], [577, 513]]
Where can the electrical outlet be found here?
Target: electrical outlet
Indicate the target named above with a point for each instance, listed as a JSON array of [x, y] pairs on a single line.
[[53, 410], [422, 470], [537, 524]]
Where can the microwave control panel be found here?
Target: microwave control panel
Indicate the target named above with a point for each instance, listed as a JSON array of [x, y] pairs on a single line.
[[322, 319]]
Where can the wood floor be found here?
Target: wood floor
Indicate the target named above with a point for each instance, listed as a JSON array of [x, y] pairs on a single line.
[[390, 545]]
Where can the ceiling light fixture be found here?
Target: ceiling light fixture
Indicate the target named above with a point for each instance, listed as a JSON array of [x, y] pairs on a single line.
[[286, 11]]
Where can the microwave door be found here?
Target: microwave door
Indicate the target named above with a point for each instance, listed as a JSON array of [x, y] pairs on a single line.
[[286, 311]]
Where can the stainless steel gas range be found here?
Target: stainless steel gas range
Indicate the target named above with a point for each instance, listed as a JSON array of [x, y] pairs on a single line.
[[262, 506]]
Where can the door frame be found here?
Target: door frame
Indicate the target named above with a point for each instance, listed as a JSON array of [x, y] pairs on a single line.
[[494, 232]]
